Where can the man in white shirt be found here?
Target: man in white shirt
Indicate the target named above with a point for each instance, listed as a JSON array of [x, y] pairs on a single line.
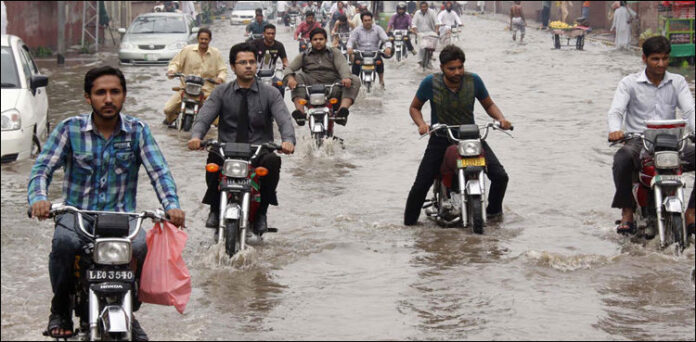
[[448, 18], [652, 94]]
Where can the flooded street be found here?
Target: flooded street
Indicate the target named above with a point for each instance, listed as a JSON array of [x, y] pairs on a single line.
[[343, 266]]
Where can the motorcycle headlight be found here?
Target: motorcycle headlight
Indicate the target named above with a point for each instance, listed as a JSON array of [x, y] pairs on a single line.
[[112, 251], [469, 148], [368, 60], [193, 89], [176, 46], [236, 168], [11, 120], [667, 160]]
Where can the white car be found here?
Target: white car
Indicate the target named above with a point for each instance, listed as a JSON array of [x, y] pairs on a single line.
[[244, 12], [24, 102], [155, 38]]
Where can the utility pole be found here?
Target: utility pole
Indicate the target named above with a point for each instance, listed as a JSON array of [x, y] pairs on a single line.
[[61, 33]]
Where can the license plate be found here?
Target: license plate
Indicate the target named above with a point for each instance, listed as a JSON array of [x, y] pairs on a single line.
[[246, 21], [149, 57], [104, 275], [479, 161], [369, 67]]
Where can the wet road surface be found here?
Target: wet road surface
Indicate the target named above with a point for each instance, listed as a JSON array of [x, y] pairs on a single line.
[[344, 267]]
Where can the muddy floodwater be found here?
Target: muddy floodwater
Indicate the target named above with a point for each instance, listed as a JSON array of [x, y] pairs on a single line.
[[343, 266]]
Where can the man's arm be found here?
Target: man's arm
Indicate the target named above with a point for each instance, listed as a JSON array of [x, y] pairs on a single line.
[[685, 102], [390, 25], [207, 114], [618, 109], [297, 30], [221, 68], [294, 66], [352, 40], [340, 64], [50, 159], [177, 63], [495, 112], [282, 118], [417, 115]]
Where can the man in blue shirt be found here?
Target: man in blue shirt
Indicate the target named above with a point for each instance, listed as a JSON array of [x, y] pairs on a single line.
[[101, 154], [451, 94], [257, 26]]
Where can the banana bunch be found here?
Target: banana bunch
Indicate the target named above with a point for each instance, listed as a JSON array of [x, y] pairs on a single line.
[[560, 25]]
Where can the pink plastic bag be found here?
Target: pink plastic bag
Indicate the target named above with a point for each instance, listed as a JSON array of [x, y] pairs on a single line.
[[165, 280]]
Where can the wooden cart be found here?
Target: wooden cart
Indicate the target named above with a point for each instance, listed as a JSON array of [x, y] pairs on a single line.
[[577, 32]]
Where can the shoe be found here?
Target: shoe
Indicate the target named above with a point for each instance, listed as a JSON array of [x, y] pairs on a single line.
[[260, 225], [137, 332], [414, 52], [342, 116], [382, 85], [213, 220], [494, 216], [649, 232], [299, 117], [626, 228], [165, 122]]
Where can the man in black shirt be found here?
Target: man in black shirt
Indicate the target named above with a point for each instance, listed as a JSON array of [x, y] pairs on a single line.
[[268, 44]]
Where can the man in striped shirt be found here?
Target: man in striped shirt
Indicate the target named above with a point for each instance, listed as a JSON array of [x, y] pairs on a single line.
[[101, 154]]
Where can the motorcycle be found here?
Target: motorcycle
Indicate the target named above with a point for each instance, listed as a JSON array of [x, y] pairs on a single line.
[[294, 18], [239, 190], [320, 109], [343, 45], [428, 42], [254, 36], [659, 188], [367, 61], [304, 44], [468, 204], [191, 99], [105, 281], [398, 39]]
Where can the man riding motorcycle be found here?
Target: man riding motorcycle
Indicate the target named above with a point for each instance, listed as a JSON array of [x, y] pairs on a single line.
[[268, 43], [256, 27], [246, 109], [451, 95], [101, 154], [202, 60], [424, 22], [651, 94], [321, 65], [447, 19], [368, 37], [307, 26], [401, 21]]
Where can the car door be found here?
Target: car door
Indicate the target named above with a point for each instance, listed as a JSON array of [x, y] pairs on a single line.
[[40, 98]]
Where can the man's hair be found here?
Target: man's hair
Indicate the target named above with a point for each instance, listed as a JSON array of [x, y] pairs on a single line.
[[236, 49], [95, 73], [365, 14], [657, 44], [309, 14], [269, 26], [423, 3], [205, 30], [451, 53], [259, 11], [317, 30]]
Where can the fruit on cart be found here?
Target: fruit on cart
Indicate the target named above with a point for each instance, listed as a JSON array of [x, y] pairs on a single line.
[[559, 25]]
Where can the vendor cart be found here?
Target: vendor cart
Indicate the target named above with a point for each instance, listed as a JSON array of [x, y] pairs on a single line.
[[677, 23], [577, 32]]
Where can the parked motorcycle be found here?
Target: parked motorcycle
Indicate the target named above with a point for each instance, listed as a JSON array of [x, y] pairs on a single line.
[[191, 99], [467, 206], [398, 41], [239, 189], [105, 281], [659, 189], [367, 61], [321, 108]]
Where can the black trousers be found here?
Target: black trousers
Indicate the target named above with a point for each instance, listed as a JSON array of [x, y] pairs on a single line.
[[430, 167], [627, 164], [378, 67], [268, 183]]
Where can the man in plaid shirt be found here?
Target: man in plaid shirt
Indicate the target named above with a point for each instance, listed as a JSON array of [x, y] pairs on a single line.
[[101, 154]]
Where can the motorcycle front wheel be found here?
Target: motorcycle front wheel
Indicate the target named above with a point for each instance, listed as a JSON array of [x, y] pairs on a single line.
[[674, 227], [232, 243], [318, 138], [476, 214], [187, 122]]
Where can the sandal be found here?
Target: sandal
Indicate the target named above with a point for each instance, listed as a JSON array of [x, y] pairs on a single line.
[[626, 228], [56, 321]]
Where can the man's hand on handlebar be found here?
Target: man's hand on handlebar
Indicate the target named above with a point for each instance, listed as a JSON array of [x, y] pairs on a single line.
[[41, 209], [177, 217], [194, 144], [292, 83], [219, 80], [346, 82], [616, 136], [423, 128], [504, 124], [287, 147], [170, 74]]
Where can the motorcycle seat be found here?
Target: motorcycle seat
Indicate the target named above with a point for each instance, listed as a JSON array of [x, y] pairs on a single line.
[[265, 72]]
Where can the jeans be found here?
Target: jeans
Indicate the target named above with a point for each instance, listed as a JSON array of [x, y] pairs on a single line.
[[430, 167], [67, 243]]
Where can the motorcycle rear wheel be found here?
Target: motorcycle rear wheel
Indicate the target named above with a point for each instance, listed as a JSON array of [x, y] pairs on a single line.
[[187, 123], [232, 245], [476, 214]]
